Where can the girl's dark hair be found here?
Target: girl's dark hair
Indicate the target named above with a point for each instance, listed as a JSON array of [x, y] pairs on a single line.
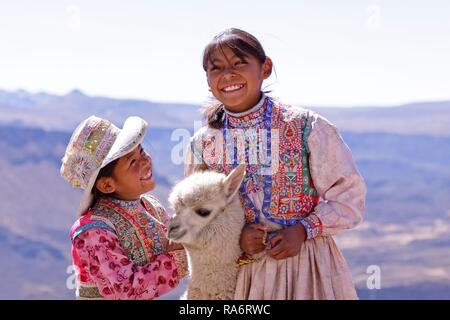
[[243, 44], [106, 171]]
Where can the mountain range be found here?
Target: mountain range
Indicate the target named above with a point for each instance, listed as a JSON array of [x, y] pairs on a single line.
[[403, 153]]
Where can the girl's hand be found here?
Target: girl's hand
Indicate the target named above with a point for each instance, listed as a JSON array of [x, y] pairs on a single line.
[[287, 242], [174, 246], [252, 238]]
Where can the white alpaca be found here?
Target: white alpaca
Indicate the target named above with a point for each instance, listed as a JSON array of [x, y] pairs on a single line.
[[208, 222]]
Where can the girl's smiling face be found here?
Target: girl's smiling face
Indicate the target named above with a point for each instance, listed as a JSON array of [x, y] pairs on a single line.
[[132, 176], [236, 81]]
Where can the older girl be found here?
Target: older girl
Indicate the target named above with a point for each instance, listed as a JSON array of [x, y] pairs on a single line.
[[302, 186]]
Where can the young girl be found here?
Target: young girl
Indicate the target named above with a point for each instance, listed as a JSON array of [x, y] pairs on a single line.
[[119, 246], [302, 186]]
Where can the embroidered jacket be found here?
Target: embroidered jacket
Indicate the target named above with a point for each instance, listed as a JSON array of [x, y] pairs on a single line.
[[313, 179], [119, 251]]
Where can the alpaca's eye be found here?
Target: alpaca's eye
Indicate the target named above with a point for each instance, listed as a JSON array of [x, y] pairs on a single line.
[[202, 212]]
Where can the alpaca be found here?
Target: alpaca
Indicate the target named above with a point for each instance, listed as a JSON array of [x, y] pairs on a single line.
[[208, 222]]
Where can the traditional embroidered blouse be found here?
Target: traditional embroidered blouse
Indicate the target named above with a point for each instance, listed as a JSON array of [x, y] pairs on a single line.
[[313, 178], [119, 251]]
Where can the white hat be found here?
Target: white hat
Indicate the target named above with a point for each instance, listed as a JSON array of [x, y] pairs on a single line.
[[95, 143]]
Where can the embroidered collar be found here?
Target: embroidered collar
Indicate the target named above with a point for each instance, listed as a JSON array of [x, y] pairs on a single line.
[[249, 117], [131, 206]]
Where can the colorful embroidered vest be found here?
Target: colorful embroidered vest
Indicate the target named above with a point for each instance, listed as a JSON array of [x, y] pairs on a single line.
[[138, 227], [293, 195]]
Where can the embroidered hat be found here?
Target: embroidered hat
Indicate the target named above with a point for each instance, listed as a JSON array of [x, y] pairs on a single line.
[[95, 143]]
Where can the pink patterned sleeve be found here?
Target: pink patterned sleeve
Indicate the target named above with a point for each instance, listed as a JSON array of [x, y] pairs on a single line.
[[337, 180], [114, 273]]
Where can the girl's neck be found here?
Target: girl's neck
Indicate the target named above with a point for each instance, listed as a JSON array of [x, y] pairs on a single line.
[[247, 111], [124, 201], [124, 197]]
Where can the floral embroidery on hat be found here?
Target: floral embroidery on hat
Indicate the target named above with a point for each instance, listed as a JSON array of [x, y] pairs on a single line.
[[88, 147]]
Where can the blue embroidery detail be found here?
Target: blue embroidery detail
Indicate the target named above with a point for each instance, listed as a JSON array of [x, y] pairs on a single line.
[[91, 225]]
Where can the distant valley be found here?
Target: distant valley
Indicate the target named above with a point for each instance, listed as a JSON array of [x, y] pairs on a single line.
[[402, 152]]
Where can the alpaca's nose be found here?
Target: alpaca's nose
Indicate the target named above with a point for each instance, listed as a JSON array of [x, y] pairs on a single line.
[[172, 228]]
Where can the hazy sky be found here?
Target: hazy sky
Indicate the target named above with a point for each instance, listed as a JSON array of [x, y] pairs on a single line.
[[335, 53]]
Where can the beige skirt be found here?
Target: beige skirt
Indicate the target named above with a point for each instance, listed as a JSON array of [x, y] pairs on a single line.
[[318, 272]]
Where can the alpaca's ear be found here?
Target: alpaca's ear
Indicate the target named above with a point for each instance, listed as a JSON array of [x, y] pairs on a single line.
[[233, 181]]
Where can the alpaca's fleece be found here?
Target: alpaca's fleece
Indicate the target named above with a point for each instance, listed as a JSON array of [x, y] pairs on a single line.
[[208, 222]]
